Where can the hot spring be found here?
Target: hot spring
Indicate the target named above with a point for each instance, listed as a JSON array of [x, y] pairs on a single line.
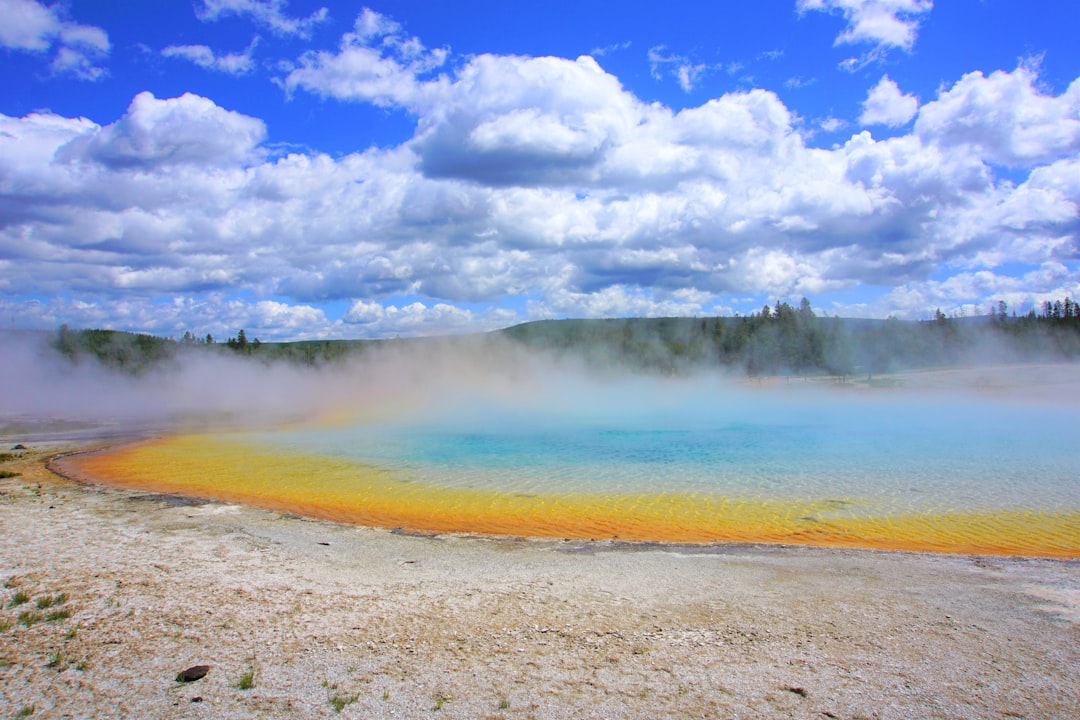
[[670, 460]]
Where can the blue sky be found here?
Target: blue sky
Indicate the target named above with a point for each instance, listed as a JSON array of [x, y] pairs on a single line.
[[333, 169]]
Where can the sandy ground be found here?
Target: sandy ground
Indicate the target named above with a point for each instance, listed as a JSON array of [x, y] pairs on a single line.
[[337, 621]]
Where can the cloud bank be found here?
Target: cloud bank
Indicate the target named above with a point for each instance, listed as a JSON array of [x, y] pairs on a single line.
[[533, 187]]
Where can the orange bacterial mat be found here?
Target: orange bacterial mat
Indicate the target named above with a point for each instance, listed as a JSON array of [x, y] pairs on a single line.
[[348, 491]]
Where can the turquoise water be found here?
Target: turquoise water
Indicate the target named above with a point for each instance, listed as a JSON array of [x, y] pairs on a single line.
[[904, 453]]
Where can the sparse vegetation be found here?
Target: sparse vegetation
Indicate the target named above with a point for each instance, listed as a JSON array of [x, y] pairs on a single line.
[[56, 660], [504, 704], [247, 680], [5, 625], [4, 474], [29, 618], [339, 701], [25, 711], [48, 601], [440, 700]]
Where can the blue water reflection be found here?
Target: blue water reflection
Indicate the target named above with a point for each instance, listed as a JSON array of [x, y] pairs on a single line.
[[912, 453]]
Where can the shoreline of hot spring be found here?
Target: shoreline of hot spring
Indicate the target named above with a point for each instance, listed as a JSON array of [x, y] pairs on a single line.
[[210, 468]]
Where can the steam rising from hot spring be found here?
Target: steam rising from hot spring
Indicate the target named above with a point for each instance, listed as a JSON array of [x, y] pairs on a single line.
[[203, 388], [462, 381], [448, 380]]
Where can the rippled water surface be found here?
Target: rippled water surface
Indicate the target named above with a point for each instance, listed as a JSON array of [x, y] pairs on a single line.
[[917, 453], [664, 461]]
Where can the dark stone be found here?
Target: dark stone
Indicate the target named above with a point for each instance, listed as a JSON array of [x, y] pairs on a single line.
[[193, 673], [20, 446]]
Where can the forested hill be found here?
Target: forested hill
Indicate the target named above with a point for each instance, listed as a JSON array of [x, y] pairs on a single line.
[[779, 339], [782, 339]]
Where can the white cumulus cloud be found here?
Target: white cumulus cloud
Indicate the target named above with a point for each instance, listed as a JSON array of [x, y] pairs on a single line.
[[1004, 117], [531, 187], [28, 25], [79, 49], [188, 129], [885, 104], [377, 63], [884, 24], [888, 23]]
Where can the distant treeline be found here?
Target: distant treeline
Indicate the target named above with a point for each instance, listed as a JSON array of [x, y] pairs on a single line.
[[133, 352], [137, 352], [777, 340], [784, 340]]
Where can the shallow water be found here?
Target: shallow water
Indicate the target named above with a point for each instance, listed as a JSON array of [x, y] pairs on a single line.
[[670, 461], [903, 454]]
